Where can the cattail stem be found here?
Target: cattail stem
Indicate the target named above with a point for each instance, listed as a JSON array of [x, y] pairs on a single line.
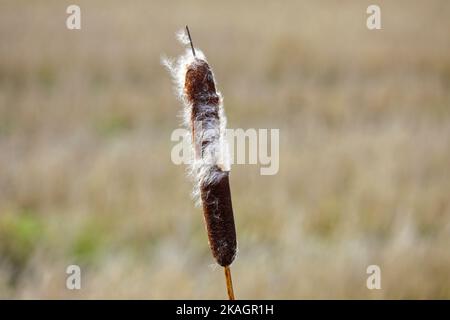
[[229, 283]]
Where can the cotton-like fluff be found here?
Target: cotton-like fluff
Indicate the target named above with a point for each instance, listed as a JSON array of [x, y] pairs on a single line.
[[216, 152]]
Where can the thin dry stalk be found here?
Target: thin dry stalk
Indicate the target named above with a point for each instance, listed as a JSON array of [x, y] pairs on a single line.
[[229, 283]]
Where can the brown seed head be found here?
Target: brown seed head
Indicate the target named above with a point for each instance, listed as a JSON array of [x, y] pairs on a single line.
[[200, 91]]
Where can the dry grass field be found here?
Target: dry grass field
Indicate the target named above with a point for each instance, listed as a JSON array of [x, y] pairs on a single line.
[[364, 116]]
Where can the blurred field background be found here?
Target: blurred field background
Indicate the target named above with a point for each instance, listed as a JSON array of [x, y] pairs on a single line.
[[364, 118]]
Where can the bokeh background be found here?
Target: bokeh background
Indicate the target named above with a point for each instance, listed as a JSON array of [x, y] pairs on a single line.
[[86, 176]]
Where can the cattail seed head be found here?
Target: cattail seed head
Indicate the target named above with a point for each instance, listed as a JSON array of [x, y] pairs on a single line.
[[205, 118]]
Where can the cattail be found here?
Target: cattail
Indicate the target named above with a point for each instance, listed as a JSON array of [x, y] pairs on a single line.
[[204, 117]]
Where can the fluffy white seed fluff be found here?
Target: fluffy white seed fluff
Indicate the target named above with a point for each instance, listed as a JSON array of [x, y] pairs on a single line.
[[216, 153]]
